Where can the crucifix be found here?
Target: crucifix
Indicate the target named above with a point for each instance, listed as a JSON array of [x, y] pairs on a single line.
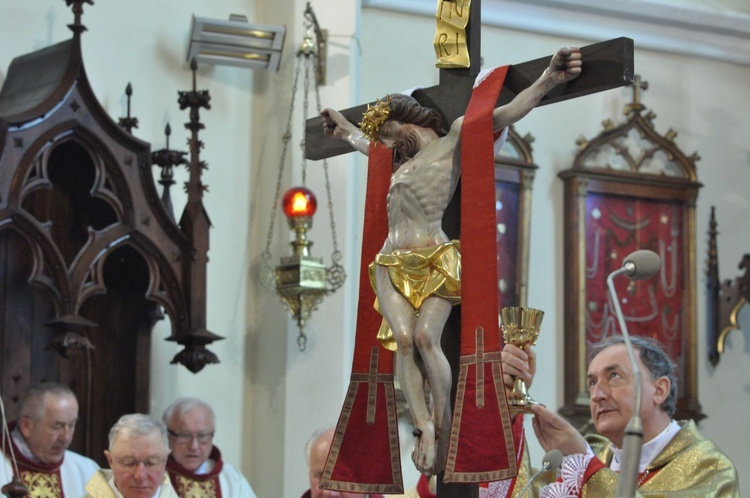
[[606, 65]]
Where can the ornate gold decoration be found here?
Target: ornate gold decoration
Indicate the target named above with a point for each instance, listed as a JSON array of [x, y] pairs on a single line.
[[451, 47], [191, 488], [374, 117], [520, 326], [42, 485]]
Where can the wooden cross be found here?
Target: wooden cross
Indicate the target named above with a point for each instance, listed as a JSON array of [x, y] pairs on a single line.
[[606, 65]]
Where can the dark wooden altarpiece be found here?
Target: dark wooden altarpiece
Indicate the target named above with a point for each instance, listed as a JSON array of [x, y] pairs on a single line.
[[630, 188], [89, 253]]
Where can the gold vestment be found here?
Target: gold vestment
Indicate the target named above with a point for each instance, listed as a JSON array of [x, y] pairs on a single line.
[[418, 274], [689, 466], [99, 487]]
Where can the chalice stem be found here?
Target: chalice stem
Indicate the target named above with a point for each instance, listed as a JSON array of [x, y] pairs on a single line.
[[519, 399]]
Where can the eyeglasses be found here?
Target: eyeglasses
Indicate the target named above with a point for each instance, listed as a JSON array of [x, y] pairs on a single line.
[[150, 464], [186, 437]]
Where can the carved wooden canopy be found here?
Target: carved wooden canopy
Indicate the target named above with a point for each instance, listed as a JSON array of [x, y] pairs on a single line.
[[89, 255]]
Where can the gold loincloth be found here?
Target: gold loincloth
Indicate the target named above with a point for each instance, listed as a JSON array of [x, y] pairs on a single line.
[[418, 274]]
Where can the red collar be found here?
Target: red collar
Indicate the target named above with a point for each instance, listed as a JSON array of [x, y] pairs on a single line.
[[175, 468]]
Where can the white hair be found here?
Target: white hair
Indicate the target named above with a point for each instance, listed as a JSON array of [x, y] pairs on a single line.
[[137, 424], [311, 442], [183, 405]]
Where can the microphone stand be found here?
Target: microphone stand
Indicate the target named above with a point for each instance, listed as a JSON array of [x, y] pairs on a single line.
[[552, 460], [633, 439]]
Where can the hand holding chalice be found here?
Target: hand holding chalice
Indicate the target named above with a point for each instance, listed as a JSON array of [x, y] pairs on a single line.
[[520, 326]]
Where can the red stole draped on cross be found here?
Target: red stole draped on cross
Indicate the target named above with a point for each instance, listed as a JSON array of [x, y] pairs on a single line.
[[41, 479], [481, 444], [364, 455], [188, 483]]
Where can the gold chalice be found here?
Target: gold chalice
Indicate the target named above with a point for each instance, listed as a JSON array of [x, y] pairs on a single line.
[[520, 326]]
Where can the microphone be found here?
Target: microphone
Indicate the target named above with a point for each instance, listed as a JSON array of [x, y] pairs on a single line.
[[551, 461], [638, 265], [642, 264]]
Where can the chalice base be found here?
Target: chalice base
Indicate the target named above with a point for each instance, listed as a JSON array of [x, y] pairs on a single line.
[[521, 406], [519, 401]]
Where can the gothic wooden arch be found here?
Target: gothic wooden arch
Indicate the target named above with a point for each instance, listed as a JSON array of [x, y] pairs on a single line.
[[89, 255]]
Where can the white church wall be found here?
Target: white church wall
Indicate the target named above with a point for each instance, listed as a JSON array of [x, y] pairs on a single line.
[[291, 393]]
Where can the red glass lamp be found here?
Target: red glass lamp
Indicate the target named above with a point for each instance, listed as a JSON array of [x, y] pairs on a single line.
[[299, 205], [298, 202]]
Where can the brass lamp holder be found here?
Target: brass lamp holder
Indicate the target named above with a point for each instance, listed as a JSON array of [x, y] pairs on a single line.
[[301, 281]]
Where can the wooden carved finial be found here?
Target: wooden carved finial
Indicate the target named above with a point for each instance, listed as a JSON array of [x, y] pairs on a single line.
[[194, 99], [77, 27], [194, 68], [167, 159], [128, 123], [638, 86]]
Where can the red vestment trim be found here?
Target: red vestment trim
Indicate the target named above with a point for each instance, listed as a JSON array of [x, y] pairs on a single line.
[[595, 465], [364, 455], [481, 445]]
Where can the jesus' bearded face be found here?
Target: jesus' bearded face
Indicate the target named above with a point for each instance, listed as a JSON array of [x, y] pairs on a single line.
[[400, 136]]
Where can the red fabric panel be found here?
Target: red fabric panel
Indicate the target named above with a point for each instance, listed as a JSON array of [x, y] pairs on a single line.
[[655, 307], [482, 449], [479, 294], [509, 196], [423, 487], [365, 460], [380, 168], [365, 457]]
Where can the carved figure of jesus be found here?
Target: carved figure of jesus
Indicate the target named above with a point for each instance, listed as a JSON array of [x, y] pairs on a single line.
[[416, 275]]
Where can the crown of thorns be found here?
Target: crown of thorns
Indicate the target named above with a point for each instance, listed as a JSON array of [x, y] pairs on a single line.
[[374, 117]]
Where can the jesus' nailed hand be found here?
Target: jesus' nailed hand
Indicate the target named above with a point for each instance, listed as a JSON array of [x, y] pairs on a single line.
[[428, 167]]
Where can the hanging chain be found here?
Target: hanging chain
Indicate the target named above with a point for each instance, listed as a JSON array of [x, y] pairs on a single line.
[[309, 60], [305, 51], [267, 272], [335, 274]]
